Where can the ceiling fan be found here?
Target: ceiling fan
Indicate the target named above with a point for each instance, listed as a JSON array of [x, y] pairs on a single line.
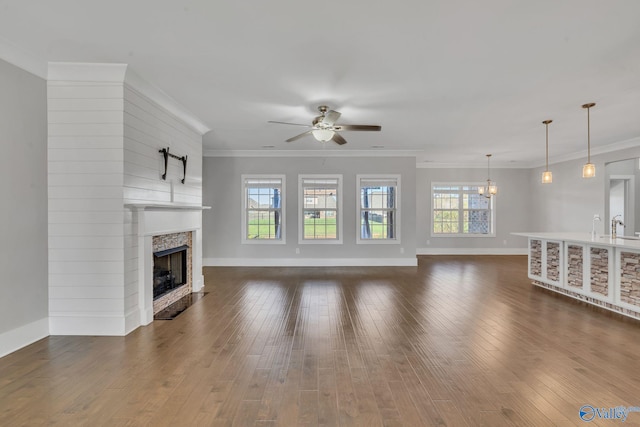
[[324, 127]]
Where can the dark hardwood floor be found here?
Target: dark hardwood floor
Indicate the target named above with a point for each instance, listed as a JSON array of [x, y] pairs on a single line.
[[458, 341]]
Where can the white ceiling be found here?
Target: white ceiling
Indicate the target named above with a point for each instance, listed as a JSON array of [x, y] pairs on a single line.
[[450, 79]]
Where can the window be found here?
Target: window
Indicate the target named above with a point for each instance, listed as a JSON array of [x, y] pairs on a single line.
[[263, 202], [458, 210], [320, 219], [377, 208]]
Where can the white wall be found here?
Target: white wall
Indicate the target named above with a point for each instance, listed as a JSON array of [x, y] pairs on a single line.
[[628, 189], [23, 217], [569, 203], [512, 207], [222, 224]]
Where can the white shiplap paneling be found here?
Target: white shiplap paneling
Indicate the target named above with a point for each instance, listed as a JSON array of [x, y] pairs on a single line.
[[79, 280], [148, 128], [85, 242], [85, 167], [86, 262], [85, 104], [86, 142]]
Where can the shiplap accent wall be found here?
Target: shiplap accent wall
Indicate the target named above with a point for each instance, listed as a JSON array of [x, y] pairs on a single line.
[[104, 138], [86, 246], [148, 128]]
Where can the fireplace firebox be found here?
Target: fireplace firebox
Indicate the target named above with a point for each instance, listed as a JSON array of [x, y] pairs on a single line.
[[169, 270]]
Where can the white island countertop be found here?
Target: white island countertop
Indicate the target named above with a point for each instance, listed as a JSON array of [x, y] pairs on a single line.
[[620, 242]]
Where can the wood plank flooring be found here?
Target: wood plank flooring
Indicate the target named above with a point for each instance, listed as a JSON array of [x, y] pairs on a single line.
[[457, 341]]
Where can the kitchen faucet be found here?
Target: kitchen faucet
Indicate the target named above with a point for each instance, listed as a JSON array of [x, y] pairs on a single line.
[[596, 217], [614, 226]]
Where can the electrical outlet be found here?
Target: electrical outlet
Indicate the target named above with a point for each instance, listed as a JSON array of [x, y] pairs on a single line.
[[401, 250], [297, 250], [504, 242]]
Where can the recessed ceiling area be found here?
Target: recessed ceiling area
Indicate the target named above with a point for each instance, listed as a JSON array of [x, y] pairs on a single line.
[[447, 81]]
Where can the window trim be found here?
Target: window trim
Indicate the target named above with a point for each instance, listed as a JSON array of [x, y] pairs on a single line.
[[463, 235], [397, 239], [339, 210], [283, 199]]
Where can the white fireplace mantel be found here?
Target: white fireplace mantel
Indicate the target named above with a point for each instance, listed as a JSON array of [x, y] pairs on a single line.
[[154, 219]]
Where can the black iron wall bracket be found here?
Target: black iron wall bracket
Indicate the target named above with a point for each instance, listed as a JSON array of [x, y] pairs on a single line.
[[183, 159]]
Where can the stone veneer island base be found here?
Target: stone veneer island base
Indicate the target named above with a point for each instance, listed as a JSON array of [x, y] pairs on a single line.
[[601, 271]]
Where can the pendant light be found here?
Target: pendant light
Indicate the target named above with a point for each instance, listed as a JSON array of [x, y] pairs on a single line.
[[547, 177], [589, 169], [491, 189]]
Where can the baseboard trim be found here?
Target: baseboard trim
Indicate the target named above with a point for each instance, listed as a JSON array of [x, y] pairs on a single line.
[[23, 336], [310, 262], [472, 251], [131, 321], [70, 324], [198, 285]]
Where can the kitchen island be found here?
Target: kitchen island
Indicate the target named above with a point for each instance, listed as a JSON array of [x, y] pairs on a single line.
[[601, 271]]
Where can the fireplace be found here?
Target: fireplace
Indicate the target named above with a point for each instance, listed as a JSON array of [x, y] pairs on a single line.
[[172, 269], [169, 270]]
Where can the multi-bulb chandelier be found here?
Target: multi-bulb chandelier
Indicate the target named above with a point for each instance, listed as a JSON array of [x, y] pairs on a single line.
[[491, 189]]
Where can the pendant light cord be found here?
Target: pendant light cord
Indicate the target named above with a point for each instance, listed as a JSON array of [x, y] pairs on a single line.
[[547, 149], [488, 169], [588, 135]]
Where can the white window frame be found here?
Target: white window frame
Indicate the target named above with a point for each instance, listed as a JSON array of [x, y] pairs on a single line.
[[282, 240], [492, 204], [339, 210], [396, 210]]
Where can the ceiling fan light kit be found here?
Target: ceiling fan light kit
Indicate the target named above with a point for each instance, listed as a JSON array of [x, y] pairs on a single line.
[[323, 135], [324, 127]]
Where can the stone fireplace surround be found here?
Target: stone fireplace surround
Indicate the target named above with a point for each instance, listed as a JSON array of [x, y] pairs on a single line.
[[170, 241]]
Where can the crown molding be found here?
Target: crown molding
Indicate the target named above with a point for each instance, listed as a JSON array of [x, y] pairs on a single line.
[[470, 165], [610, 148], [310, 153], [21, 58]]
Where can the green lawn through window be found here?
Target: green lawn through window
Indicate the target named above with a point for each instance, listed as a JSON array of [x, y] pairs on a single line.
[[320, 228], [314, 228]]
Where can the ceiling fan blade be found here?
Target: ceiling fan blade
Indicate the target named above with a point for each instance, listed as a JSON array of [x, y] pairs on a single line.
[[358, 127], [294, 138], [338, 139], [286, 123], [331, 117]]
